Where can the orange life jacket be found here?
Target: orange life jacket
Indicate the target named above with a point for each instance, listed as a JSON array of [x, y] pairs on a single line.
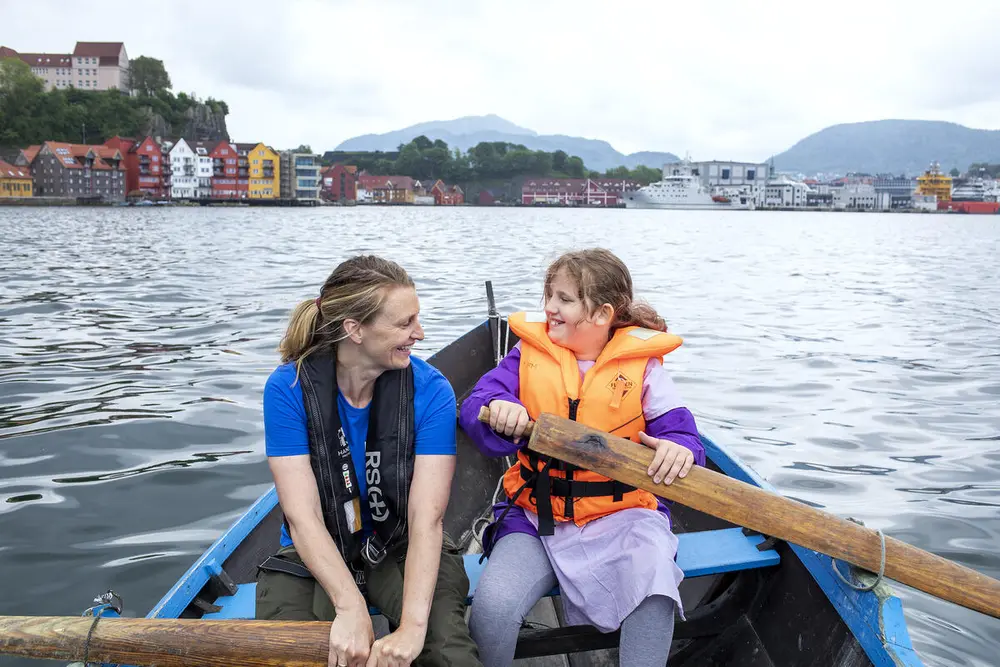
[[609, 398]]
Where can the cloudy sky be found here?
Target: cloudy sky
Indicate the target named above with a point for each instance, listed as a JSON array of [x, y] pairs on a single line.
[[722, 79]]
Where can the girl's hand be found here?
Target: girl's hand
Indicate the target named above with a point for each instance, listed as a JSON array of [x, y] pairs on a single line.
[[508, 418], [670, 461]]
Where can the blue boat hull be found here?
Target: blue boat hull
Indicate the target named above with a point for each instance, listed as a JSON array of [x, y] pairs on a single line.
[[788, 611]]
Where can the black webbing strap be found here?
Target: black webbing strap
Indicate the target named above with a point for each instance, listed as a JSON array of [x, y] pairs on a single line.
[[543, 497]]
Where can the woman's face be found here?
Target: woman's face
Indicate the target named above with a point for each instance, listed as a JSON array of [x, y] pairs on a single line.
[[388, 339]]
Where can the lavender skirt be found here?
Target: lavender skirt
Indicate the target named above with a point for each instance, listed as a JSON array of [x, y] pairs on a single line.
[[609, 566]]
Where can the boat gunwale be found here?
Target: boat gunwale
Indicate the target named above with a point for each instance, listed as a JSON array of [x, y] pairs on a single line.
[[874, 618]]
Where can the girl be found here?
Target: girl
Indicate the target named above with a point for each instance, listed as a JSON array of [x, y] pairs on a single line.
[[594, 355]]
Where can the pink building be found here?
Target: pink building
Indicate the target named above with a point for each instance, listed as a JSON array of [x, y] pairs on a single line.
[[574, 191]]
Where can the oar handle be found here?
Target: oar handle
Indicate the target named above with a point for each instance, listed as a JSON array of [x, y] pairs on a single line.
[[484, 416]]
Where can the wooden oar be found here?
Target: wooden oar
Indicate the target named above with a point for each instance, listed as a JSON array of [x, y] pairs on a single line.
[[166, 642], [765, 512]]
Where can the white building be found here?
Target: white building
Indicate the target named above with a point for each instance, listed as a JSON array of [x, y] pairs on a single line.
[[183, 171], [784, 192], [205, 167], [861, 196], [921, 202], [731, 174], [191, 169], [101, 66], [727, 177], [91, 66]]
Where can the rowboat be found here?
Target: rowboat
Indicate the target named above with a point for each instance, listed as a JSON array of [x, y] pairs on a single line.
[[749, 600]]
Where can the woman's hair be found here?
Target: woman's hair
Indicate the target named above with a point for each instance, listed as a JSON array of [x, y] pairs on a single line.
[[602, 278], [355, 290]]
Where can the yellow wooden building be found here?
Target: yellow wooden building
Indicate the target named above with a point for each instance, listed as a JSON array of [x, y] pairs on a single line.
[[265, 172], [14, 181]]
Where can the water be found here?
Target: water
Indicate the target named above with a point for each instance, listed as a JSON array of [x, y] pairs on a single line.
[[852, 360]]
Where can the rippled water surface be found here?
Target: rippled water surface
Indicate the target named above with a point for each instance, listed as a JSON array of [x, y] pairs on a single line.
[[852, 360]]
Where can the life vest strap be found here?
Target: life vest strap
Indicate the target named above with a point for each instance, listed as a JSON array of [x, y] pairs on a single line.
[[577, 489], [562, 487], [544, 486], [543, 493]]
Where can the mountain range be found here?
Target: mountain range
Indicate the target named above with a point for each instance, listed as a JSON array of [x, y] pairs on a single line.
[[464, 133], [881, 146], [890, 146]]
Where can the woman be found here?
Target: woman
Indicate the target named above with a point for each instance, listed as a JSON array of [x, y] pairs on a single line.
[[360, 439]]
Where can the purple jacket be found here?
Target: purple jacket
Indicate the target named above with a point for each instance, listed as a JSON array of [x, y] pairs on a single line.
[[503, 383]]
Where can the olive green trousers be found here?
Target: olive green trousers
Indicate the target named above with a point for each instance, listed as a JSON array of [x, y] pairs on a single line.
[[286, 597]]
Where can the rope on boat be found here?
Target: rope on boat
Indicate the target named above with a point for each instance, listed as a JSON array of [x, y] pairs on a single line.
[[881, 567], [109, 601]]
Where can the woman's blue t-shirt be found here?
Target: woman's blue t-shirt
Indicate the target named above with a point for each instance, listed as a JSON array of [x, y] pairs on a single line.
[[285, 431]]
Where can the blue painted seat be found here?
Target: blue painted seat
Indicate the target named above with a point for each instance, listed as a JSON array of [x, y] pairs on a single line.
[[698, 554]]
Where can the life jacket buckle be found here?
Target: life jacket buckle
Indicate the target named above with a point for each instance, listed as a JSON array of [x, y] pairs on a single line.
[[373, 551]]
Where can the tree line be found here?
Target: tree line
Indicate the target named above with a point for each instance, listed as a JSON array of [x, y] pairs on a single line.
[[423, 159], [31, 115]]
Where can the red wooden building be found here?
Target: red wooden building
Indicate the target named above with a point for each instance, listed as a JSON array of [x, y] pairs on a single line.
[[340, 182], [225, 172], [146, 171], [448, 195], [444, 195]]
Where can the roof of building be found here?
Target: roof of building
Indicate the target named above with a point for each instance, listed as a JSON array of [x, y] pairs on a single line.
[[349, 168], [126, 143], [64, 153], [46, 59], [430, 183], [83, 151], [98, 49], [369, 182], [203, 148], [217, 145], [108, 153], [10, 171], [30, 152]]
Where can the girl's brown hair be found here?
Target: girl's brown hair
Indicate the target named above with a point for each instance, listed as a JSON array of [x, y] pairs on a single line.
[[355, 290], [603, 278]]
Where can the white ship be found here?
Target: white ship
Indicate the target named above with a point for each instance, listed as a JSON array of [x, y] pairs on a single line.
[[682, 189], [977, 189]]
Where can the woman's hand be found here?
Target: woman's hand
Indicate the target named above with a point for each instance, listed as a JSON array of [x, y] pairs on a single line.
[[670, 461], [351, 636], [398, 649], [508, 418]]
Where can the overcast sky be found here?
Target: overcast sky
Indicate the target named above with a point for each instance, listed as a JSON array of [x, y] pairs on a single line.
[[727, 80]]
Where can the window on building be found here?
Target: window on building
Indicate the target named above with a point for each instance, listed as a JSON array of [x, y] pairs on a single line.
[[725, 173], [751, 174]]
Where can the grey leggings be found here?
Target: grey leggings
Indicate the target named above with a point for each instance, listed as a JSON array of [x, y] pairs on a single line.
[[518, 574]]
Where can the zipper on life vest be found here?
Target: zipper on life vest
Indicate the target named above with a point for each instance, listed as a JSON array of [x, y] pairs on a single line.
[[574, 403]]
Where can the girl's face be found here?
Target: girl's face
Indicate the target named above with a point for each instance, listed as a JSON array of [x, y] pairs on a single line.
[[570, 322]]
